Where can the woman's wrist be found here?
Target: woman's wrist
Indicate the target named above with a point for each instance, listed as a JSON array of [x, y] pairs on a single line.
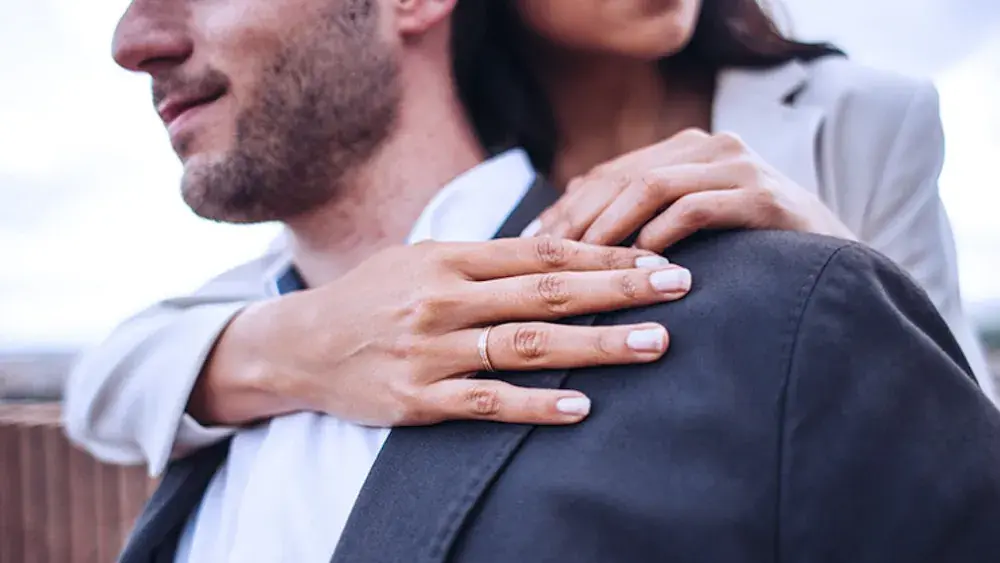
[[238, 384]]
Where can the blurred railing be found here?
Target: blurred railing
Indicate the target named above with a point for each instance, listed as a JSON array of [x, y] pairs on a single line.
[[58, 504]]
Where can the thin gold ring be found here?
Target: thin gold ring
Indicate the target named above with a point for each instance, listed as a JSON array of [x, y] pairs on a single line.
[[484, 353]]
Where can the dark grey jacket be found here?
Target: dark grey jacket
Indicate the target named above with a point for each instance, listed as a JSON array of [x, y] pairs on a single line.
[[813, 407]]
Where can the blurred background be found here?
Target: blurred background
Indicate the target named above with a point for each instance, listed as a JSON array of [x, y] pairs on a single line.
[[92, 227]]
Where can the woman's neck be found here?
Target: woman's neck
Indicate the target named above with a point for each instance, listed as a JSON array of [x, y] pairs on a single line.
[[606, 108]]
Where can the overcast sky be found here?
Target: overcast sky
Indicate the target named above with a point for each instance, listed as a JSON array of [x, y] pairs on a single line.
[[92, 227]]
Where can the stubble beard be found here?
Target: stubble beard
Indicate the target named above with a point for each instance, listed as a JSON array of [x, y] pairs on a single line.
[[323, 107]]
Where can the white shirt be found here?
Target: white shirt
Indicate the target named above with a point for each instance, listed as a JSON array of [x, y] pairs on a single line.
[[287, 488]]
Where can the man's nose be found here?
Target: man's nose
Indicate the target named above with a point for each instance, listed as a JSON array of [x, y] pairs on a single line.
[[152, 36]]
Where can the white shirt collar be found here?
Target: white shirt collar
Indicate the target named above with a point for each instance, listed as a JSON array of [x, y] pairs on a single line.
[[470, 208], [473, 206]]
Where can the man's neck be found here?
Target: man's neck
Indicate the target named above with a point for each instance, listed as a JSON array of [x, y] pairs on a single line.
[[378, 205]]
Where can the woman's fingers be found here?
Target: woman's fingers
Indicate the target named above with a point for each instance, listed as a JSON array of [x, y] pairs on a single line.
[[702, 210], [529, 347], [569, 217], [505, 258], [479, 399], [616, 198], [535, 346], [588, 196], [605, 211], [565, 294], [657, 190]]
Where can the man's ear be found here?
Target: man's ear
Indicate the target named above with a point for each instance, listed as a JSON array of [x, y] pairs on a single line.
[[416, 17]]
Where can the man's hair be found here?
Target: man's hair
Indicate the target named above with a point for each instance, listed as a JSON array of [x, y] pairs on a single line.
[[508, 106]]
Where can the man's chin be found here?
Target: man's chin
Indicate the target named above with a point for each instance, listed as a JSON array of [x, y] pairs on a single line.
[[206, 190]]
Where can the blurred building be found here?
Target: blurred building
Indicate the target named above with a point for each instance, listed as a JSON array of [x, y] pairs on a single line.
[[34, 375]]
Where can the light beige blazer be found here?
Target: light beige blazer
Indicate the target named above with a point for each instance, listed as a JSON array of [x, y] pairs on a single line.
[[868, 143]]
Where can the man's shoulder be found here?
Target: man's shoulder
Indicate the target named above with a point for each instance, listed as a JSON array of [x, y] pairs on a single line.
[[756, 249], [749, 292], [756, 272], [755, 292], [753, 270], [774, 288], [771, 262]]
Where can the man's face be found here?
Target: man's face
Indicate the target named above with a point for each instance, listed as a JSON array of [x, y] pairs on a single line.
[[268, 103]]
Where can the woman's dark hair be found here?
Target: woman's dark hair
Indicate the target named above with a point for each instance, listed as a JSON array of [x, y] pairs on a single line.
[[509, 108]]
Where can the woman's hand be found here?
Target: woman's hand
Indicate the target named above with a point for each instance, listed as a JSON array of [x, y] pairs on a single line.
[[689, 182], [393, 341]]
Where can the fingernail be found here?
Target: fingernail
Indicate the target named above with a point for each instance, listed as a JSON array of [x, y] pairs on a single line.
[[647, 339], [671, 280], [651, 262], [574, 405], [532, 228]]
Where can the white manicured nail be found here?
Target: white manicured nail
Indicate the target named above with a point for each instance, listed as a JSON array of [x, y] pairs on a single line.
[[532, 228], [671, 280], [651, 262], [647, 339], [574, 405]]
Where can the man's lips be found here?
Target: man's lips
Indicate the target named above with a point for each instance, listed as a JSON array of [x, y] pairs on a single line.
[[172, 108]]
